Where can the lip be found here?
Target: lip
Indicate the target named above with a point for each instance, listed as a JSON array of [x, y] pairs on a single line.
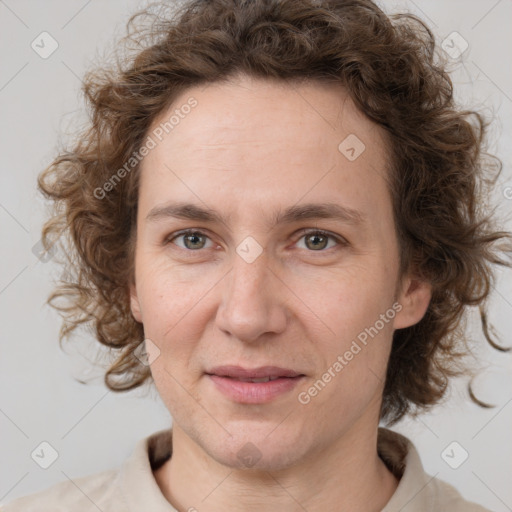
[[226, 379], [254, 392], [238, 372]]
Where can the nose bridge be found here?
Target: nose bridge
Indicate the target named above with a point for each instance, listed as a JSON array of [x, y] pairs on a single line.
[[250, 301], [248, 277]]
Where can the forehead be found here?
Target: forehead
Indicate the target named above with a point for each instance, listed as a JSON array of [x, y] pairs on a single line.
[[252, 111], [261, 142]]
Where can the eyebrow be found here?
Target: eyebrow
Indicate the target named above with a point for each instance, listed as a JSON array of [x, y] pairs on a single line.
[[309, 211]]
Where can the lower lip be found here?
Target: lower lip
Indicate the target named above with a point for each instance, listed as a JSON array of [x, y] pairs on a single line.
[[254, 392]]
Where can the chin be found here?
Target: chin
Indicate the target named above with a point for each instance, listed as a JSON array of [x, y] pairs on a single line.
[[257, 452]]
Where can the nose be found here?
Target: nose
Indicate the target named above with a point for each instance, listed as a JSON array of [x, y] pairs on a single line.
[[252, 302]]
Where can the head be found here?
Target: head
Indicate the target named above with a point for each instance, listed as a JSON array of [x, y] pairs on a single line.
[[257, 113], [257, 287]]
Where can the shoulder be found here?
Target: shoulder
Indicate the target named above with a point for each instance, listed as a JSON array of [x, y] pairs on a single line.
[[448, 498], [130, 487], [417, 490], [88, 493]]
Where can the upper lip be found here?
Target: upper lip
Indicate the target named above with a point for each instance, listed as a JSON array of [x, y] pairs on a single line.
[[254, 373]]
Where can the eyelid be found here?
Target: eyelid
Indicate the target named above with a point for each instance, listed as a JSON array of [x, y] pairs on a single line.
[[188, 231], [307, 231]]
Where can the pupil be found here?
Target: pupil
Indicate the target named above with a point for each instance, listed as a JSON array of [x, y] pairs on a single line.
[[192, 237], [316, 237]]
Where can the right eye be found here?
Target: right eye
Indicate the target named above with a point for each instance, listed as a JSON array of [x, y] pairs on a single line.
[[192, 240]]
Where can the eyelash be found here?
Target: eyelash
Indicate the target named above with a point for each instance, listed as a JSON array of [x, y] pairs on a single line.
[[304, 232]]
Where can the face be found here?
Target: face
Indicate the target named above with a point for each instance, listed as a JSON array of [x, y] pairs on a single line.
[[295, 266]]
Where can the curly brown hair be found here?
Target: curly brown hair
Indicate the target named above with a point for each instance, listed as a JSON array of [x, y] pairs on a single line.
[[439, 175]]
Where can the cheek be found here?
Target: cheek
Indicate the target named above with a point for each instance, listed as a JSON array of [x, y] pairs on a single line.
[[171, 308], [169, 305], [167, 295], [352, 332], [354, 358], [344, 302]]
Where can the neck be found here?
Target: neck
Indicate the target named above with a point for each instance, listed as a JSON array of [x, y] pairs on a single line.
[[348, 475]]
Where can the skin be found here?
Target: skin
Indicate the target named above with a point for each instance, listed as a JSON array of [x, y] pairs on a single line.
[[250, 148]]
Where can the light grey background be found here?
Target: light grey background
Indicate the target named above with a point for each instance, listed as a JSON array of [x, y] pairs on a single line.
[[93, 429]]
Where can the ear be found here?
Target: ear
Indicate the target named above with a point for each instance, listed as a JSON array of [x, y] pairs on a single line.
[[414, 297], [134, 303]]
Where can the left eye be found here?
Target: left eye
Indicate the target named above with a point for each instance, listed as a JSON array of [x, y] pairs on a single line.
[[318, 240], [313, 240]]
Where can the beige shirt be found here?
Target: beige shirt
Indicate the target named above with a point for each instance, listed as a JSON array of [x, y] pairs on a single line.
[[133, 487]]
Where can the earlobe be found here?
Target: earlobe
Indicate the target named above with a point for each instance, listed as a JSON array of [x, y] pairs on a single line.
[[134, 304], [414, 299]]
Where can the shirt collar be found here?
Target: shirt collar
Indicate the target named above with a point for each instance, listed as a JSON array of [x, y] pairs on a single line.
[[138, 484], [142, 492], [413, 494]]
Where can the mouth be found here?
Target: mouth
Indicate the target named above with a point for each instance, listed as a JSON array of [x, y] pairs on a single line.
[[262, 379], [254, 374], [254, 386]]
